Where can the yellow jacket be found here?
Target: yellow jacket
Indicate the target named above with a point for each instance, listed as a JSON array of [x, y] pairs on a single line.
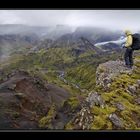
[[129, 41]]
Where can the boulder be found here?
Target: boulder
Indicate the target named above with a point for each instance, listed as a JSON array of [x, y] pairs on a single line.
[[95, 99], [138, 83], [132, 90], [137, 100], [115, 120], [120, 106]]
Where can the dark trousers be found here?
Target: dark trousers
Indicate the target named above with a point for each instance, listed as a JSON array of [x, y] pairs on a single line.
[[128, 57]]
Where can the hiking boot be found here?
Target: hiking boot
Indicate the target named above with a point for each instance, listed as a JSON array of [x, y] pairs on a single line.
[[129, 66]]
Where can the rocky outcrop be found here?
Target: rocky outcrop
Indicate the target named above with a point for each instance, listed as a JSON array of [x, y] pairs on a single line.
[[83, 119], [95, 99], [109, 100], [106, 72]]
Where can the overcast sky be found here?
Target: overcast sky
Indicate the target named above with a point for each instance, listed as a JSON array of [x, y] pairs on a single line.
[[114, 19]]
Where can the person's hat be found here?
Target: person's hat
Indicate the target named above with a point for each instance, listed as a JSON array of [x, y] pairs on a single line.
[[127, 32]]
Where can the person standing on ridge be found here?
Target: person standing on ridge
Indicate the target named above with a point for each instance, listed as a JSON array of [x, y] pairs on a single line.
[[128, 56]]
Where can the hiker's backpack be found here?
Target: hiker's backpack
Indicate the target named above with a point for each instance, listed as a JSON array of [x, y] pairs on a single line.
[[136, 41]]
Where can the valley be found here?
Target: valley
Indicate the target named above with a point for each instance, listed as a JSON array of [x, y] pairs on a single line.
[[51, 83]]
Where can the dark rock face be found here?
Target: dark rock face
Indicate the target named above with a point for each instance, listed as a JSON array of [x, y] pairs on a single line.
[[116, 120], [23, 100], [95, 99]]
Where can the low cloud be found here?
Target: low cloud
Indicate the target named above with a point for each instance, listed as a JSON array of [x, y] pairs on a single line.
[[114, 19]]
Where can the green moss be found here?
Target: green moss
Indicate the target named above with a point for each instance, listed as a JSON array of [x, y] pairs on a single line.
[[46, 120], [103, 111], [127, 120], [127, 96], [118, 93], [128, 104], [99, 122], [122, 81], [69, 126], [83, 75], [136, 75], [121, 93], [105, 97], [73, 102], [137, 64], [108, 125], [109, 96], [101, 69]]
